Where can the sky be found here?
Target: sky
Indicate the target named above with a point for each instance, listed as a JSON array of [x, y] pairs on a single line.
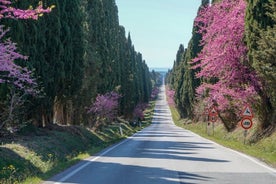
[[158, 27]]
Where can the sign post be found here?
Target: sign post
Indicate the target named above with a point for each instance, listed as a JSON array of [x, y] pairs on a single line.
[[206, 115], [213, 117], [245, 135], [246, 122]]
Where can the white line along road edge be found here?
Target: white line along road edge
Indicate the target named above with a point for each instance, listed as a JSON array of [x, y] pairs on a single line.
[[91, 159]]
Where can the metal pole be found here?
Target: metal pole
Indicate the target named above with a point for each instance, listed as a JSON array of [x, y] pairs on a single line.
[[245, 135], [213, 128]]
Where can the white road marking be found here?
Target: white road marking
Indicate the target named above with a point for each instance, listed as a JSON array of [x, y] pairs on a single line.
[[92, 159], [255, 160]]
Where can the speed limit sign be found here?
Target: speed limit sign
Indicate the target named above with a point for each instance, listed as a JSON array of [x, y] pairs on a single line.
[[246, 123]]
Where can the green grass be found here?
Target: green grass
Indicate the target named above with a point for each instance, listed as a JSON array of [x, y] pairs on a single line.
[[264, 150], [41, 156], [34, 158]]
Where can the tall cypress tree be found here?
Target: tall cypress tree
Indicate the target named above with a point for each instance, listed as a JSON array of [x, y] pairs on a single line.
[[183, 77], [72, 53], [116, 64], [33, 38], [128, 82], [78, 51], [178, 79], [55, 49], [260, 39], [177, 70]]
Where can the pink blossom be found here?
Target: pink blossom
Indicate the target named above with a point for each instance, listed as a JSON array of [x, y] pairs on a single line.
[[7, 11], [105, 106], [139, 110], [154, 92], [223, 57], [9, 71], [170, 96]]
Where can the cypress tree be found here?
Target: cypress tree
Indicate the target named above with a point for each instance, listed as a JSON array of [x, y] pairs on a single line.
[[182, 77], [33, 38], [78, 51], [260, 39]]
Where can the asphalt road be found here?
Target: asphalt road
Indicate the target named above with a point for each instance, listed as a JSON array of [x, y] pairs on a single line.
[[166, 154]]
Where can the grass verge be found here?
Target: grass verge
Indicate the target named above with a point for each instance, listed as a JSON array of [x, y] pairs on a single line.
[[264, 150], [30, 159]]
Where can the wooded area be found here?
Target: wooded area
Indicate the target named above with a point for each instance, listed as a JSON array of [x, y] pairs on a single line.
[[70, 62], [229, 62], [74, 53]]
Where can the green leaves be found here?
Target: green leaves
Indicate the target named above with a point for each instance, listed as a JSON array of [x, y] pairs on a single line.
[[77, 51], [261, 43]]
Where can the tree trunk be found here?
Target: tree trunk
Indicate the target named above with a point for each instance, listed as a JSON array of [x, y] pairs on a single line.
[[58, 116], [63, 112]]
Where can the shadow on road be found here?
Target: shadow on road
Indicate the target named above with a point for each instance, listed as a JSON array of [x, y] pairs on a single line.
[[160, 154], [165, 150], [132, 175]]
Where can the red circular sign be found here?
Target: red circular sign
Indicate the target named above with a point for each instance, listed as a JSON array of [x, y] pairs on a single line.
[[213, 119], [246, 123]]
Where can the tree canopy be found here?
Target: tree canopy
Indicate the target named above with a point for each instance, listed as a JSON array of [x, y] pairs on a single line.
[[76, 53], [233, 60]]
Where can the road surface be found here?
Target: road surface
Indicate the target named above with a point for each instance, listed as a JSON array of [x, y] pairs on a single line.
[[166, 154]]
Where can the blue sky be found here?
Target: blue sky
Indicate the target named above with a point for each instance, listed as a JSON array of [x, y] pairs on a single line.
[[158, 27]]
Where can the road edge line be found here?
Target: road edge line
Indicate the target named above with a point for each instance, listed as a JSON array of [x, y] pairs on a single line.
[[94, 158], [251, 158]]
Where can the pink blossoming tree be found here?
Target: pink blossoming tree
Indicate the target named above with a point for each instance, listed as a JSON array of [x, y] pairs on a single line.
[[105, 108], [154, 93], [19, 78], [229, 82], [170, 96], [7, 11], [9, 71], [138, 112]]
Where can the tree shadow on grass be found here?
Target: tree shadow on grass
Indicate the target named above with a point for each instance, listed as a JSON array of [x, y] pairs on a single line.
[[14, 167]]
